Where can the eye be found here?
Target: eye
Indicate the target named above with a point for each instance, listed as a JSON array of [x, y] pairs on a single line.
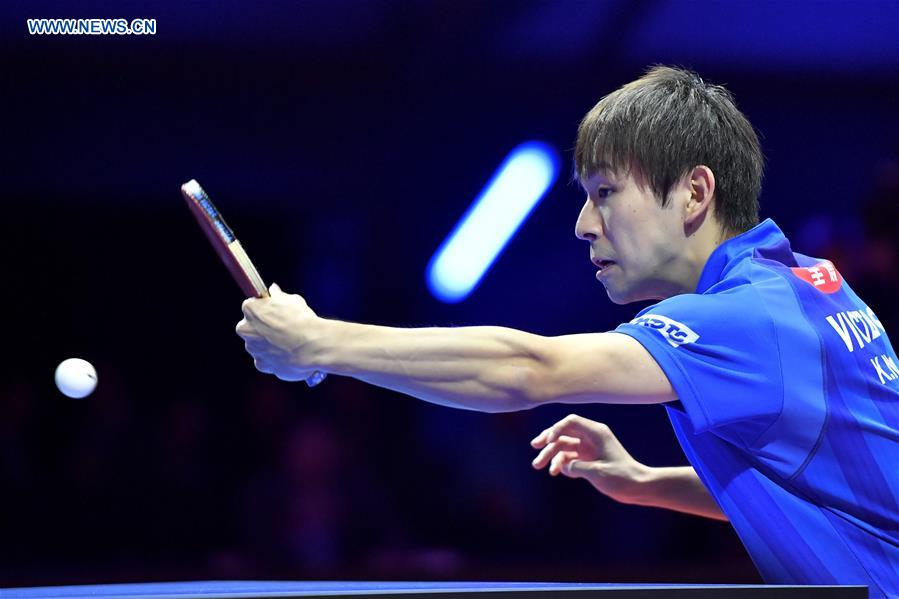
[[604, 192]]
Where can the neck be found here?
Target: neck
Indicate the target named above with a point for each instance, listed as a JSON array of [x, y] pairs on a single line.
[[691, 260], [701, 245]]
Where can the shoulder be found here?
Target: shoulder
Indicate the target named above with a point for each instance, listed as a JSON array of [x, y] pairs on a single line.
[[754, 290], [720, 350], [735, 304]]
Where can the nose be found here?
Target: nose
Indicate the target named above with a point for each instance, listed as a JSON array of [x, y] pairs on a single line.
[[588, 226]]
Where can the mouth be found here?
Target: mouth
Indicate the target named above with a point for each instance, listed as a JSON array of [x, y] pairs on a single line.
[[603, 264]]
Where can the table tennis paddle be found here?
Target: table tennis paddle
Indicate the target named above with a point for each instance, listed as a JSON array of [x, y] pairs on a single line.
[[229, 249]]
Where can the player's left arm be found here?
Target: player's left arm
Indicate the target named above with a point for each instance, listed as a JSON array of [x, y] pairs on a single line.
[[491, 369]]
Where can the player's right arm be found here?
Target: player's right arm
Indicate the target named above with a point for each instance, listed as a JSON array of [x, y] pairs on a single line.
[[579, 448], [491, 369], [496, 369]]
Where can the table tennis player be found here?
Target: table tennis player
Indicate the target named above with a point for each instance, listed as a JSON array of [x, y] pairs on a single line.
[[780, 382]]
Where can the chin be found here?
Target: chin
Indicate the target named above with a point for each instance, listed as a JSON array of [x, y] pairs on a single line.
[[620, 296]]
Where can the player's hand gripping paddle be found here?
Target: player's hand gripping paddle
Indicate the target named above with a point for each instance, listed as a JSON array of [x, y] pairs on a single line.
[[229, 249]]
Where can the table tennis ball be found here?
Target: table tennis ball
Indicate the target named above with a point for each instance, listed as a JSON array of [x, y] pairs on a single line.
[[75, 378]]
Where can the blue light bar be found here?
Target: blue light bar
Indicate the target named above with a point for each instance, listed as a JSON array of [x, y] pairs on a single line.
[[516, 188]]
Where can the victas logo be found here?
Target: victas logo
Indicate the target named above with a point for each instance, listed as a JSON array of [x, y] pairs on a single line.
[[675, 333], [823, 276]]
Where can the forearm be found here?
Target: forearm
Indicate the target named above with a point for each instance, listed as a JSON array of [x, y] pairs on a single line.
[[678, 489], [490, 369]]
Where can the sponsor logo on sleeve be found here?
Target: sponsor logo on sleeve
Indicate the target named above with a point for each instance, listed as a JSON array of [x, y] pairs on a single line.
[[823, 276], [675, 333]]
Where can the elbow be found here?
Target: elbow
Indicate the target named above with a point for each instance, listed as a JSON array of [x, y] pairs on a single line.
[[519, 388], [525, 381], [536, 386], [545, 377]]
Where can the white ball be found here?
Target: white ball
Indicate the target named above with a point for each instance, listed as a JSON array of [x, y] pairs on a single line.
[[76, 378]]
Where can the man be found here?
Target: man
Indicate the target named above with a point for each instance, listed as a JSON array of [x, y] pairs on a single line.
[[780, 383]]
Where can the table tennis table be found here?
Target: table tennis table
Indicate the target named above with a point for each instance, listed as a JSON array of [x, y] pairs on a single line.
[[428, 590]]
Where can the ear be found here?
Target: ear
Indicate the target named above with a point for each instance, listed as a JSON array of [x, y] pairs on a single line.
[[701, 184]]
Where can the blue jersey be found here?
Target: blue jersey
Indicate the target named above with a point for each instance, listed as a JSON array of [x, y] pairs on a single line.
[[788, 409]]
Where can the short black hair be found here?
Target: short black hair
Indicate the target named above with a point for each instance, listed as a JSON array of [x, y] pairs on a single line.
[[667, 122]]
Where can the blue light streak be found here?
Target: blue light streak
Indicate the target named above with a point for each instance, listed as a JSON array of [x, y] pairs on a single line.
[[516, 188]]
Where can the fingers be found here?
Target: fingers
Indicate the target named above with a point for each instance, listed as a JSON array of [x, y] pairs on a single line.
[[248, 308], [552, 449], [560, 460], [270, 327], [573, 447], [540, 440], [257, 348], [263, 364], [565, 459], [255, 345], [577, 469], [571, 425], [290, 377], [256, 308], [244, 329]]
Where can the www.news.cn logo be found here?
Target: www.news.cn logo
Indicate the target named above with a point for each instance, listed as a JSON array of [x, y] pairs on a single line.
[[91, 26]]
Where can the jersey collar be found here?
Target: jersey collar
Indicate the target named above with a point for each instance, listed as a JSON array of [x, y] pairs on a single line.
[[764, 235]]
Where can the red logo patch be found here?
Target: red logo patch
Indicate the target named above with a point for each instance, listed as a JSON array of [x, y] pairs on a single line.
[[823, 276]]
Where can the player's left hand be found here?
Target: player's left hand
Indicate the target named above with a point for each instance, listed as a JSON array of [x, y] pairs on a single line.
[[580, 448], [277, 331]]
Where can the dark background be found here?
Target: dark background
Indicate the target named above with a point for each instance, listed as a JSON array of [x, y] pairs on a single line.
[[343, 140]]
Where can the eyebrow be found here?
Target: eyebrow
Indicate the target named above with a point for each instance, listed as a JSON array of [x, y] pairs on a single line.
[[600, 166], [603, 169]]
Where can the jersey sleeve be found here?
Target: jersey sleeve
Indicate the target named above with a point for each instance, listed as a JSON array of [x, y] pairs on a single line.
[[720, 353]]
